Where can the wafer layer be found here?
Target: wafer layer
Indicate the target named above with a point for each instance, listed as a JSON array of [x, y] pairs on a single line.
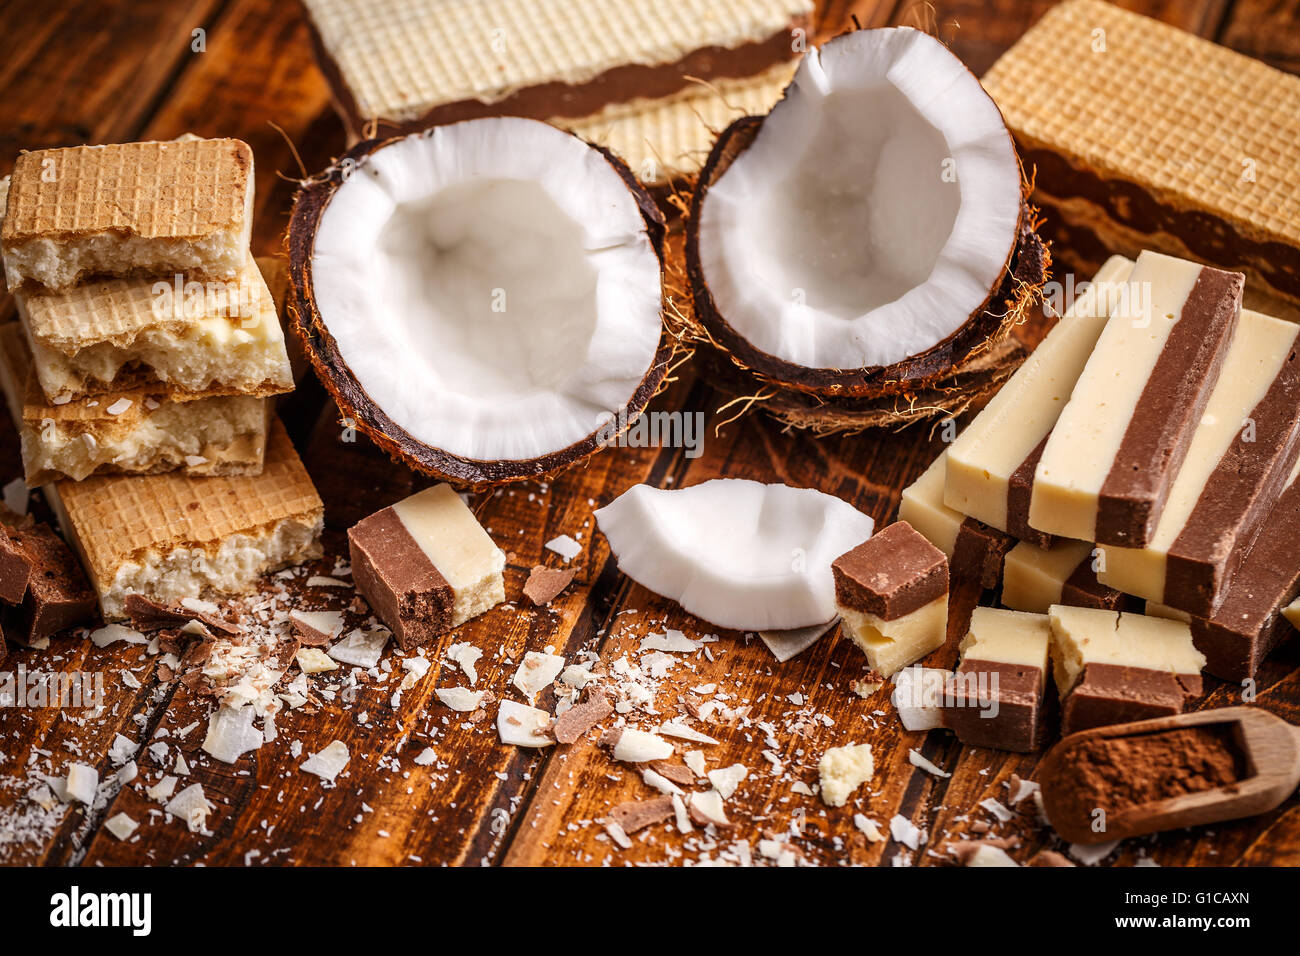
[[1162, 131], [171, 536], [130, 432], [442, 61], [152, 208], [195, 339]]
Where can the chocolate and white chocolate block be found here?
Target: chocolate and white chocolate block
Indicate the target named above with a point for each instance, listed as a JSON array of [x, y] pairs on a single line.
[[975, 550], [892, 595], [1033, 578], [1113, 667], [426, 565], [995, 697], [1248, 622], [991, 465], [1238, 461], [1109, 463]]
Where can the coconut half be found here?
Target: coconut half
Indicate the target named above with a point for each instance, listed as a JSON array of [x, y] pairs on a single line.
[[739, 554], [482, 299], [864, 237]]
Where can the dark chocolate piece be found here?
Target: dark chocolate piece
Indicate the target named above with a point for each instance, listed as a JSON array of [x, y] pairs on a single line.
[[1082, 589], [894, 572], [58, 595], [403, 587], [1114, 694], [1015, 690], [15, 571], [978, 553], [1158, 435]]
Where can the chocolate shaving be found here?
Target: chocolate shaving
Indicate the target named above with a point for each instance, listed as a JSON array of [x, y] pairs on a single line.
[[580, 718], [964, 850], [308, 636], [678, 773], [545, 584], [150, 615], [639, 814]]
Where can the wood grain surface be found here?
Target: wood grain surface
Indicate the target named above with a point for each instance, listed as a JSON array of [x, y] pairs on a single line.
[[99, 72]]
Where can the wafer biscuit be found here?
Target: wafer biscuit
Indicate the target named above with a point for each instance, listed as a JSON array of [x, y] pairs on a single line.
[[192, 339], [1144, 136], [172, 536], [153, 208], [138, 431], [409, 63]]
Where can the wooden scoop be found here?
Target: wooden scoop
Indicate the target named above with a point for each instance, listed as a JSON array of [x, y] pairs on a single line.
[[1270, 752]]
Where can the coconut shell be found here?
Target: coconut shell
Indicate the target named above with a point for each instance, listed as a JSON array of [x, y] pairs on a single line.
[[356, 407], [1026, 271]]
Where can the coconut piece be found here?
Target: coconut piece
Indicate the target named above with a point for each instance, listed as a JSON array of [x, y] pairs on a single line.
[[864, 238], [523, 726], [918, 695], [81, 783], [231, 734], [737, 553], [786, 645], [121, 826], [484, 302], [460, 698], [360, 648], [192, 806], [706, 808], [639, 746], [727, 779], [537, 672], [328, 763]]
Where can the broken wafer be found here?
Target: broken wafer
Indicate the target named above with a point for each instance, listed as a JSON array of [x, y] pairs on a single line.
[[1238, 461], [990, 466], [426, 565], [189, 340], [155, 208], [565, 58], [1108, 465], [1146, 136], [171, 536], [138, 431]]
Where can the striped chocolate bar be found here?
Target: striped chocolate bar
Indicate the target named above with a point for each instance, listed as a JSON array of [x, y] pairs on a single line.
[[1112, 667], [991, 464], [1236, 465], [892, 593], [1034, 578], [995, 697], [426, 565], [1108, 465]]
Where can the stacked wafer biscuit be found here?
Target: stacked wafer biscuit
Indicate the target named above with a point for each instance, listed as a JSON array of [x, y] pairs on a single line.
[[1148, 450], [148, 339], [141, 368], [653, 82]]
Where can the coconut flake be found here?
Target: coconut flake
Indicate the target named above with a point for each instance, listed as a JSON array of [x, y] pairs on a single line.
[[917, 759], [121, 826], [918, 695], [328, 763], [523, 726], [361, 648], [231, 734], [460, 699], [786, 645], [465, 656], [81, 783], [638, 746], [192, 806], [726, 779], [675, 728], [537, 672]]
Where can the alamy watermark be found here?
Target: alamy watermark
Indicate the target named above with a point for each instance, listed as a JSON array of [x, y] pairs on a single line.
[[65, 690], [683, 430]]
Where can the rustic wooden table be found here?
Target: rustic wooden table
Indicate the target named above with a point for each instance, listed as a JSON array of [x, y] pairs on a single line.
[[75, 72]]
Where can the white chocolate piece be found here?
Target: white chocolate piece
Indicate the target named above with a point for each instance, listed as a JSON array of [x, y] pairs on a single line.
[[1002, 436], [892, 645], [1292, 613], [458, 546], [1083, 636], [923, 508], [1008, 637], [842, 770], [1082, 448], [1033, 577], [1259, 350]]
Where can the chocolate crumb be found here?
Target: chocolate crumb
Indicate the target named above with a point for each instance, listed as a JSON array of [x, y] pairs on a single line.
[[546, 584], [577, 720], [639, 814]]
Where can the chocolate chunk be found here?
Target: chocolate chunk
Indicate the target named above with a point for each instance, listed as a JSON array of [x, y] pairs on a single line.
[[580, 718], [147, 614], [15, 571], [639, 814], [1115, 694], [546, 584], [58, 595], [892, 573], [996, 705], [978, 553]]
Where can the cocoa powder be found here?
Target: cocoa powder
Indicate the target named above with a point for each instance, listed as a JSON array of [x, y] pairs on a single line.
[[1121, 772]]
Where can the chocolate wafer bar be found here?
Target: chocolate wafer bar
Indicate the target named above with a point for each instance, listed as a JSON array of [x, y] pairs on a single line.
[[1107, 467], [892, 595], [1144, 136], [138, 431], [156, 208], [1033, 578], [171, 536], [426, 565], [990, 468], [413, 63], [1238, 460], [189, 340], [1114, 667], [995, 696]]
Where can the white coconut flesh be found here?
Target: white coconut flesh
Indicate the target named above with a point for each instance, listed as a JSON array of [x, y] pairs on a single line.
[[739, 554], [491, 286], [874, 212]]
